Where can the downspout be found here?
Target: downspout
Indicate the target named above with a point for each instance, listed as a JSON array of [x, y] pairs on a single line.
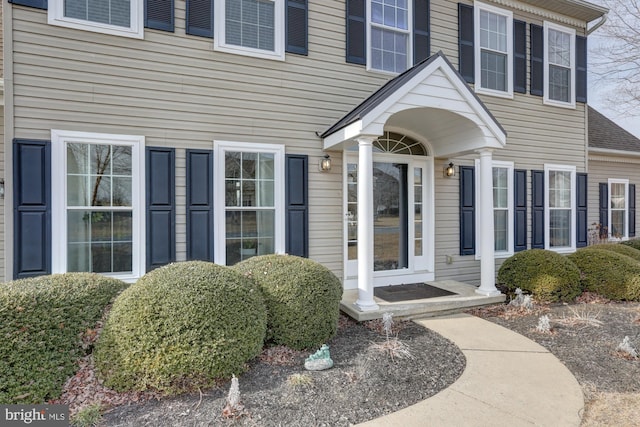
[[599, 24]]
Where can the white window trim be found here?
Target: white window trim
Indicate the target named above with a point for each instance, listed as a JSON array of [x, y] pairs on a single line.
[[560, 168], [59, 139], [220, 148], [55, 16], [219, 37], [510, 206], [572, 88], [408, 31], [478, 6], [626, 208]]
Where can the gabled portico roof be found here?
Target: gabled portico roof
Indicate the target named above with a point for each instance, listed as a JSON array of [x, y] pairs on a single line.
[[430, 100]]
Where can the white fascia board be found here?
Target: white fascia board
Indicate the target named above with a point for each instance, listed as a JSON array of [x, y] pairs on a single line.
[[342, 135]]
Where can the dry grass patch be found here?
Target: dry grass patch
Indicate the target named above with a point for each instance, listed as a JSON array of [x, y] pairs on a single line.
[[612, 409], [581, 316]]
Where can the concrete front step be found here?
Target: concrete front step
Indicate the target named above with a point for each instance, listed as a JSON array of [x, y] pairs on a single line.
[[465, 298]]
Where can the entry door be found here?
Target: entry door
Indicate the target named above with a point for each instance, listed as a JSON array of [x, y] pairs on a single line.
[[398, 208]]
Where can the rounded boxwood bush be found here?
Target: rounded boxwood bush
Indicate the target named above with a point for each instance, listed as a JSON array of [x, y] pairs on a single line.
[[618, 248], [302, 297], [634, 243], [610, 274], [180, 327], [42, 323], [547, 275]]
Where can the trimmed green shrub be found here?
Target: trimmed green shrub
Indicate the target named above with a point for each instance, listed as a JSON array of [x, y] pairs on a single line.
[[634, 243], [42, 321], [180, 327], [302, 297], [618, 248], [547, 275], [610, 274]]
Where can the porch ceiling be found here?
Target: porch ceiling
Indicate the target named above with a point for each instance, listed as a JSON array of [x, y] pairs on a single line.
[[429, 101]]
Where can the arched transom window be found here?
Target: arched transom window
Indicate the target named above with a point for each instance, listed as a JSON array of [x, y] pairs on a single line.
[[396, 143]]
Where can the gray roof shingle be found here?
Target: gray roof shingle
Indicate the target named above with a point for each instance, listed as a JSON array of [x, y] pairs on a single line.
[[604, 133]]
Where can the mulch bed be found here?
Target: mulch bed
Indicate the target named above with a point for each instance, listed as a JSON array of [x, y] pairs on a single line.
[[366, 382]]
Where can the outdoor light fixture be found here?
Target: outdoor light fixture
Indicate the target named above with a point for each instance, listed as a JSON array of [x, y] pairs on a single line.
[[449, 170], [325, 164], [2, 188]]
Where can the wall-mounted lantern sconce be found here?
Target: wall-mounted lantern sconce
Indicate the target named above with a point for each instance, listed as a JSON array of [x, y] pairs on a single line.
[[450, 170], [325, 163], [2, 188]]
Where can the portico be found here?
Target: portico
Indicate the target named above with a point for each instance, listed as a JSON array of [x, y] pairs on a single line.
[[432, 107]]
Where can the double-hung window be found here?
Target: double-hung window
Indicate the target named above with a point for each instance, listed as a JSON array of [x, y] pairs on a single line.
[[389, 35], [249, 189], [116, 17], [559, 65], [97, 203], [618, 208], [560, 207], [493, 50], [250, 27], [503, 221]]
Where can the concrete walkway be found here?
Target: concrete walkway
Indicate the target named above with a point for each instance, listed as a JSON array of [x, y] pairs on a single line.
[[509, 380]]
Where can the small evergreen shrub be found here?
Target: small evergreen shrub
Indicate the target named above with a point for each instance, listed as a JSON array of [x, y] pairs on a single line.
[[180, 327], [302, 297], [634, 243], [42, 321], [629, 251], [547, 275], [610, 274]]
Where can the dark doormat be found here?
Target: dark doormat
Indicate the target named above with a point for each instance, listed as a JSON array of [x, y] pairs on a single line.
[[408, 292]]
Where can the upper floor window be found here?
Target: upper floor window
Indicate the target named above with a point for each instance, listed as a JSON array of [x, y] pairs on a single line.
[[493, 50], [390, 44], [117, 17], [560, 207], [559, 65], [250, 27]]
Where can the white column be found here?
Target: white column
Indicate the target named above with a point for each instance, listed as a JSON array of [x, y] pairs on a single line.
[[485, 226], [365, 300]]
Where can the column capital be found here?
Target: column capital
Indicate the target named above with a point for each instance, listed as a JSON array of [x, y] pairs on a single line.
[[366, 139], [484, 151]]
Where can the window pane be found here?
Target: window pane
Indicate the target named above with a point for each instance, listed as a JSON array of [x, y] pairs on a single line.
[[493, 70], [112, 12], [501, 228], [559, 189], [250, 23], [121, 163], [559, 48], [560, 228], [121, 191], [559, 83], [77, 159], [500, 190], [618, 196], [493, 31], [101, 226], [418, 247], [389, 50], [77, 191], [100, 190], [618, 228]]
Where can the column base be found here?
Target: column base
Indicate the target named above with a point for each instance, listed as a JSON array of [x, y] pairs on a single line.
[[366, 305], [488, 292]]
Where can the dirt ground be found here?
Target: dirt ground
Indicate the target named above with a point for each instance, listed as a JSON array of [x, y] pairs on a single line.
[[366, 382]]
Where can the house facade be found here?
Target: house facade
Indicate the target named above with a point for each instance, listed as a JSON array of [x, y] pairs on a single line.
[[392, 141]]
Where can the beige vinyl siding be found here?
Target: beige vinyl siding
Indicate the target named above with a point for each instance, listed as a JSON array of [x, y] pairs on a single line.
[[605, 166], [177, 92]]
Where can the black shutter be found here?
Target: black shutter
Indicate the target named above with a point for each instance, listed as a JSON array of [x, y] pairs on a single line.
[[465, 42], [199, 19], [356, 32], [161, 214], [520, 210], [158, 14], [297, 202], [537, 219], [297, 27], [519, 56], [632, 210], [603, 206], [31, 208], [581, 213], [38, 4], [199, 205], [421, 30], [581, 69], [467, 211], [537, 60]]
